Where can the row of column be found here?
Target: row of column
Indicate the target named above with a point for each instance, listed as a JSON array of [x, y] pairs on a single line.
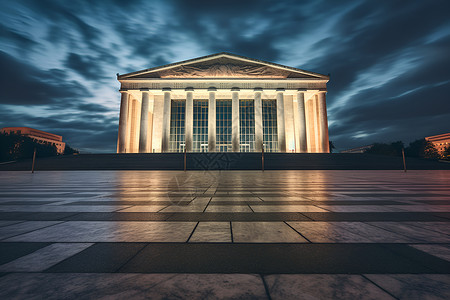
[[319, 121]]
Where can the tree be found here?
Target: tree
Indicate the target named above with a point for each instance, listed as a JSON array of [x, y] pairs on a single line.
[[422, 148], [332, 147], [392, 149], [431, 151], [446, 153], [13, 147], [69, 150]]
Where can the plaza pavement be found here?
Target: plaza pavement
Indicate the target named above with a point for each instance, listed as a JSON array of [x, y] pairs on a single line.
[[229, 234]]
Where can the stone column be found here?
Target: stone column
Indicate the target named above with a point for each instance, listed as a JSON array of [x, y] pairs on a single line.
[[235, 133], [323, 121], [123, 119], [166, 121], [189, 123], [301, 115], [143, 133], [258, 120], [280, 121], [212, 120]]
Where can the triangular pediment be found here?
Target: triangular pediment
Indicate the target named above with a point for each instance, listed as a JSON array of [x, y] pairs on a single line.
[[222, 65]]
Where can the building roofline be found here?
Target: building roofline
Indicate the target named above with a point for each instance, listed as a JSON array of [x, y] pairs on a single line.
[[206, 57], [34, 129]]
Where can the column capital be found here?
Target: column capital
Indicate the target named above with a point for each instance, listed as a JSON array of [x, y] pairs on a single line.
[[302, 90], [257, 89], [166, 89], [321, 91], [212, 89], [235, 89], [189, 89], [123, 90]]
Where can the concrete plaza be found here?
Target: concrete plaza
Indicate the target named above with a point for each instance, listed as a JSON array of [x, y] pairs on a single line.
[[230, 234]]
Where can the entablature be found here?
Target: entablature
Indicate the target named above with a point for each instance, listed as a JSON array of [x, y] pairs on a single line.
[[287, 84]]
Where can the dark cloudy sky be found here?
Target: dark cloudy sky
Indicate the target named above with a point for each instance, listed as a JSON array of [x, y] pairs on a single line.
[[389, 60]]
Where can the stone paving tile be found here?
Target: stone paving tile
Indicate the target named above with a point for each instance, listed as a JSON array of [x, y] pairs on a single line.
[[20, 228], [284, 258], [86, 231], [7, 223], [326, 232], [359, 208], [212, 232], [99, 258], [441, 227], [143, 208], [32, 202], [119, 216], [61, 208], [264, 232], [241, 217], [414, 232], [322, 286], [234, 208], [132, 286], [12, 251], [36, 216], [441, 251], [179, 208], [287, 208], [375, 216], [44, 258], [422, 208], [407, 286], [374, 234]]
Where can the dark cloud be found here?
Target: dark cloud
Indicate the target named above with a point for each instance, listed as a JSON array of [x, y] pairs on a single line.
[[388, 60], [19, 40], [24, 84], [85, 65]]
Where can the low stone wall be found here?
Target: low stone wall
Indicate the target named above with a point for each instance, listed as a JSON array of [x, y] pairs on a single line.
[[225, 161]]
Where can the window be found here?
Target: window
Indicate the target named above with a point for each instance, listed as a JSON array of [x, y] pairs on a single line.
[[247, 125], [223, 125], [177, 117], [270, 136], [200, 134]]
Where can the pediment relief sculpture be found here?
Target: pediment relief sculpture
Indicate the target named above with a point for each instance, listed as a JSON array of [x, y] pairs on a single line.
[[224, 71]]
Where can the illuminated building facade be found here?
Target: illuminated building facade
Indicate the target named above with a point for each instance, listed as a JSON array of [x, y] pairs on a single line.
[[440, 141], [39, 136], [223, 103]]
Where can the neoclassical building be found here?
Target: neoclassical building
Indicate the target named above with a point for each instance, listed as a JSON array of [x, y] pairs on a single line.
[[223, 103]]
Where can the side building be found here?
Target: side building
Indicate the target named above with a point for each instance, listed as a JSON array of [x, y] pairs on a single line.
[[361, 149], [39, 136], [440, 141], [223, 103]]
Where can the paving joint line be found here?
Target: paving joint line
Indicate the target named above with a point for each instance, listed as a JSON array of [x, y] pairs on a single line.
[[297, 232], [2, 240], [204, 210], [69, 216], [192, 232], [163, 208], [128, 260], [387, 292], [391, 231], [413, 259], [266, 287], [308, 217], [231, 232]]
